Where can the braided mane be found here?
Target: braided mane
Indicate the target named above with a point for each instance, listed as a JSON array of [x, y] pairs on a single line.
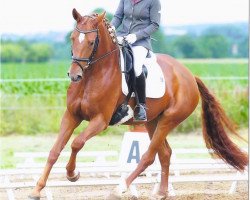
[[108, 26]]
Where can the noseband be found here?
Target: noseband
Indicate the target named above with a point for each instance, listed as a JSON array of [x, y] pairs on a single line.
[[90, 59]]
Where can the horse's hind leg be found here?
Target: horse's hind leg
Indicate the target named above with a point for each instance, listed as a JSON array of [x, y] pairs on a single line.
[[164, 154], [167, 122], [68, 125]]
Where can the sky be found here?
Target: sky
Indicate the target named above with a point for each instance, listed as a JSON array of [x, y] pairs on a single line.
[[34, 16]]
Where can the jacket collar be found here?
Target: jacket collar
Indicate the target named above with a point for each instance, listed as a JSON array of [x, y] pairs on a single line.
[[135, 1]]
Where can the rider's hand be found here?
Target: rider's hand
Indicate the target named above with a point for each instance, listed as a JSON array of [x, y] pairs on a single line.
[[120, 39], [131, 38]]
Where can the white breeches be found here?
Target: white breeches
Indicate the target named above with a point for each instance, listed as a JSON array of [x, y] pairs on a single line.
[[140, 54]]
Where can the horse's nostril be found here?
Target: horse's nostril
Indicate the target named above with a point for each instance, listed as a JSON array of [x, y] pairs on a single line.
[[78, 78], [68, 74]]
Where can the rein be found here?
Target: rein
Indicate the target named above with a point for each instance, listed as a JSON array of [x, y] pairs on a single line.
[[90, 59]]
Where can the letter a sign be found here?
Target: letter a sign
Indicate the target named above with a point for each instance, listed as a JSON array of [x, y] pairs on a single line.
[[134, 152], [134, 145]]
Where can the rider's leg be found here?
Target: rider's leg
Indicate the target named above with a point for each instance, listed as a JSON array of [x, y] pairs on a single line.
[[140, 54]]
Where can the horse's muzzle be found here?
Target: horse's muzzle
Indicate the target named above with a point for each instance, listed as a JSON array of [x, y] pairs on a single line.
[[75, 78]]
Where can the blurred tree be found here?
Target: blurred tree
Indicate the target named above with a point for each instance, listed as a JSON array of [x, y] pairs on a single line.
[[61, 50], [11, 52], [236, 36], [67, 38], [214, 45], [25, 47], [244, 47], [186, 46], [159, 41], [39, 52], [232, 33], [22, 51]]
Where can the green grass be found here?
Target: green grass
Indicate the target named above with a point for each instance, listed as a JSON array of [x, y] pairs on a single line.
[[58, 69], [108, 142], [37, 107], [52, 69], [218, 69]]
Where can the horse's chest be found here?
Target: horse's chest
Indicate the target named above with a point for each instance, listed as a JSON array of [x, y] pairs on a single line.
[[79, 108], [85, 107]]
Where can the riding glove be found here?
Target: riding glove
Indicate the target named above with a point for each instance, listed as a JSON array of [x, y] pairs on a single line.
[[131, 38], [120, 39]]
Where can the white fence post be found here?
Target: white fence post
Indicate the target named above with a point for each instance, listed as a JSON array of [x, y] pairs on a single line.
[[10, 193]]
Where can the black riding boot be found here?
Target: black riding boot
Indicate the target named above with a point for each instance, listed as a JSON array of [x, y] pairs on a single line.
[[140, 110]]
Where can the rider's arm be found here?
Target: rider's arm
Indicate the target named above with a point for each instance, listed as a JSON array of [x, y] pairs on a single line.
[[117, 19], [155, 18]]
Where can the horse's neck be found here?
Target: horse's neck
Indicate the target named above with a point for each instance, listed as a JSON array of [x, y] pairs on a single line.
[[104, 75], [106, 44], [107, 51]]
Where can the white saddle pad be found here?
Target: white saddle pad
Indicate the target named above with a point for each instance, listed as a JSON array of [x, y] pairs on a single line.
[[155, 82]]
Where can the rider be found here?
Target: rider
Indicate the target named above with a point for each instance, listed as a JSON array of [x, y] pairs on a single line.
[[137, 20]]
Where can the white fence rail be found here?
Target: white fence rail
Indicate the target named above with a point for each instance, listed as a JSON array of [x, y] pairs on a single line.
[[68, 80], [206, 170]]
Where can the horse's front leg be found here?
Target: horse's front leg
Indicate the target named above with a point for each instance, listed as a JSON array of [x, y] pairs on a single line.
[[95, 126], [68, 124]]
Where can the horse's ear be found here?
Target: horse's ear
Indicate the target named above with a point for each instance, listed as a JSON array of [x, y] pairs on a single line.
[[76, 15], [101, 17]]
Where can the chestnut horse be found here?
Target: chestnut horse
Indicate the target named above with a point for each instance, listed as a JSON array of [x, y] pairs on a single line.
[[95, 93]]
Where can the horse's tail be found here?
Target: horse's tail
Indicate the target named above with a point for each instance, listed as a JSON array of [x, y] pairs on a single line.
[[214, 122]]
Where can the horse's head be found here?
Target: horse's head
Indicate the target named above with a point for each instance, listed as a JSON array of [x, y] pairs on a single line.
[[84, 39]]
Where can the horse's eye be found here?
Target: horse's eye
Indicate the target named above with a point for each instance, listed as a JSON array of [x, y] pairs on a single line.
[[91, 43]]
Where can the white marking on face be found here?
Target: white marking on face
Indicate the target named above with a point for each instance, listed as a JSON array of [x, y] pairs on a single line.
[[81, 37]]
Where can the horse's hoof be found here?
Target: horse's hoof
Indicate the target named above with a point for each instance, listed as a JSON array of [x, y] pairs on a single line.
[[161, 197], [113, 196], [134, 198], [158, 197], [118, 192], [74, 178], [31, 197]]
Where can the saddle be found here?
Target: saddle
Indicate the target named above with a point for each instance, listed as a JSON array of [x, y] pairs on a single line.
[[128, 56], [155, 79]]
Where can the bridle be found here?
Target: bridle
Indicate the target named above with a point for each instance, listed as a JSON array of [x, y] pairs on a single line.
[[90, 60]]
